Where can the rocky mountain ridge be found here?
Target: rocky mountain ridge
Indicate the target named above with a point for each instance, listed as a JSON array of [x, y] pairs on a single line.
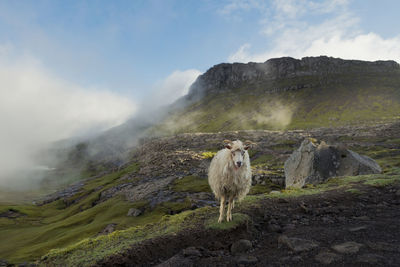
[[224, 77]]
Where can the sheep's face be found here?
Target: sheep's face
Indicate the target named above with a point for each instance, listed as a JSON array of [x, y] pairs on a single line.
[[238, 152]]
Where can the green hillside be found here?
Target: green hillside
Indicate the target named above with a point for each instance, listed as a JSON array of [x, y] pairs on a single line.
[[355, 94]]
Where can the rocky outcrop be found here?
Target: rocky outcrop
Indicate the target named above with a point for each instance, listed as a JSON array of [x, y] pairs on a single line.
[[315, 162], [225, 77], [133, 212]]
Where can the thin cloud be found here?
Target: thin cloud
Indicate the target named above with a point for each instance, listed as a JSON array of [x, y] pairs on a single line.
[[174, 86], [339, 35]]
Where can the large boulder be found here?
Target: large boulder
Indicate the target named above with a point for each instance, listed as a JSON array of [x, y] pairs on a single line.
[[314, 162]]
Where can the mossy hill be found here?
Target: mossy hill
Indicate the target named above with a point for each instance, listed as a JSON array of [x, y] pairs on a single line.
[[287, 93]]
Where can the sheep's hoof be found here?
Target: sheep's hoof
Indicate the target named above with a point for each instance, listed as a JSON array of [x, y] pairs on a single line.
[[228, 219], [220, 220]]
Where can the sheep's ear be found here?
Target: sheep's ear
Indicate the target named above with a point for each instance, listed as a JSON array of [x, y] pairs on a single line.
[[228, 144], [247, 144]]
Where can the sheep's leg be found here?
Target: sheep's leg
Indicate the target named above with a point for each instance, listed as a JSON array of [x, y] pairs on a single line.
[[230, 207], [221, 209]]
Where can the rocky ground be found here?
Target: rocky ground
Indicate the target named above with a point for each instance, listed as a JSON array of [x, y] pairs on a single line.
[[336, 228], [164, 161]]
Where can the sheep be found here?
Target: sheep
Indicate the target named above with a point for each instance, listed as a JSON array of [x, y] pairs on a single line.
[[229, 175]]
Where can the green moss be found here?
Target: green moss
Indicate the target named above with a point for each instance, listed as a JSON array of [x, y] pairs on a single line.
[[354, 191], [208, 154], [237, 220], [175, 207], [384, 181], [110, 178], [191, 184], [261, 189], [263, 159], [88, 251]]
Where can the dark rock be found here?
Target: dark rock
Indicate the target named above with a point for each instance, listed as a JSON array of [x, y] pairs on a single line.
[[145, 190], [274, 228], [3, 263], [11, 214], [327, 257], [191, 252], [241, 246], [133, 212], [358, 228], [313, 163], [64, 194], [370, 258], [177, 260], [289, 227], [347, 247], [362, 218], [247, 259], [297, 244], [296, 258], [383, 246]]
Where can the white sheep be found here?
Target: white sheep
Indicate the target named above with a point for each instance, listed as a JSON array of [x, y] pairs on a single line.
[[229, 175]]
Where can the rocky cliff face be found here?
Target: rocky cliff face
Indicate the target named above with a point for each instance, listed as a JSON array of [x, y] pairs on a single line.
[[224, 77]]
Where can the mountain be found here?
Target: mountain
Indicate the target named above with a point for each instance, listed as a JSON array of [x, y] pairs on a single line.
[[139, 199], [287, 93], [281, 93]]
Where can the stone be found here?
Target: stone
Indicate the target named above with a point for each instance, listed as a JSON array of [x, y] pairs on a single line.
[[358, 228], [297, 244], [275, 192], [247, 259], [274, 228], [241, 246], [398, 192], [347, 247], [108, 229], [327, 257], [177, 260], [145, 190], [296, 258], [362, 218], [289, 227], [370, 258], [191, 252], [383, 246], [314, 162], [133, 212]]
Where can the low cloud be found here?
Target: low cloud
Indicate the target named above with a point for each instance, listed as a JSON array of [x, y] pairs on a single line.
[[277, 115], [37, 107], [176, 85]]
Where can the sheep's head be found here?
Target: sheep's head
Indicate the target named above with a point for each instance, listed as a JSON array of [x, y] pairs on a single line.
[[238, 151]]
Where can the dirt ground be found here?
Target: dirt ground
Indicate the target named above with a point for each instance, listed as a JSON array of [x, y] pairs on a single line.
[[336, 228]]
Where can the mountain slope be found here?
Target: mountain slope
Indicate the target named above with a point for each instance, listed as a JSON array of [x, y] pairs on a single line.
[[287, 93], [282, 93]]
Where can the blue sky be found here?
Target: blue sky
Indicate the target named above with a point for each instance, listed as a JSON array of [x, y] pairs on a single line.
[[70, 67], [132, 46]]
